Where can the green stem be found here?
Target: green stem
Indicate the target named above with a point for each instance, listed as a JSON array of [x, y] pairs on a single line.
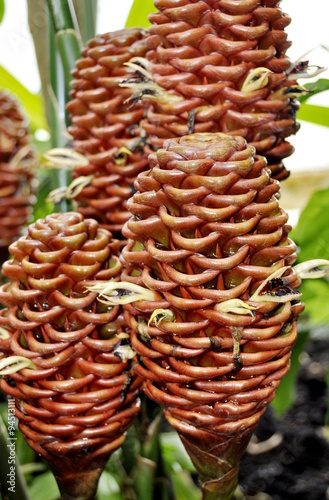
[[86, 15], [67, 39], [39, 32], [145, 478], [146, 465], [57, 110], [57, 102]]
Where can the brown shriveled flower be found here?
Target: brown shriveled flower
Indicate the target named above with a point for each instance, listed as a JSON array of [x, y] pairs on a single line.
[[17, 164], [220, 66], [105, 127], [209, 238], [67, 361]]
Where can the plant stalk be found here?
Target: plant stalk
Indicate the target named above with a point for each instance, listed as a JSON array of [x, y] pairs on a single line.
[[57, 111], [86, 11], [67, 38], [68, 50], [217, 460]]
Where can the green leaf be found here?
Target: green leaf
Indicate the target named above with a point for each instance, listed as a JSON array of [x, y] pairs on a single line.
[[144, 478], [312, 237], [2, 9], [129, 451], [286, 392], [320, 85], [47, 182], [315, 295], [314, 114], [312, 231], [174, 453], [139, 12], [108, 487], [86, 13], [184, 486], [32, 103], [44, 487], [150, 447]]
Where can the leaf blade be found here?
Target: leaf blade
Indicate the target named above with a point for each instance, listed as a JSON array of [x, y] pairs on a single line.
[[314, 114], [32, 103], [320, 85], [138, 15], [312, 237], [312, 231], [2, 9]]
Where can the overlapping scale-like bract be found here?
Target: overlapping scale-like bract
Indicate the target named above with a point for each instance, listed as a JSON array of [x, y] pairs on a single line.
[[207, 231], [17, 165], [105, 126], [80, 395], [205, 52]]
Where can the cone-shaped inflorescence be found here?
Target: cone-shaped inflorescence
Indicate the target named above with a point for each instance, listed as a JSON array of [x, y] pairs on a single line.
[[207, 235], [17, 164], [104, 126], [220, 66], [67, 365]]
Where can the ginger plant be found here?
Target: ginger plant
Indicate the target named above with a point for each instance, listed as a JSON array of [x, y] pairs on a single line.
[[210, 296], [17, 169], [66, 358]]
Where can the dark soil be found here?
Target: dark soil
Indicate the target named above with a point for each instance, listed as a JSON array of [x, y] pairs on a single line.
[[298, 468]]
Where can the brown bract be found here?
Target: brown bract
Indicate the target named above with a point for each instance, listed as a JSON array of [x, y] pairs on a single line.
[[105, 128], [79, 397], [17, 165], [204, 52], [206, 232]]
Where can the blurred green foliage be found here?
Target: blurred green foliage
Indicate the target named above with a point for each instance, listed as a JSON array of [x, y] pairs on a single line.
[[2, 9], [138, 15], [312, 237], [32, 103]]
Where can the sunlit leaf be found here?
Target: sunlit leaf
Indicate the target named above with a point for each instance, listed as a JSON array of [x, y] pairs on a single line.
[[312, 237], [138, 15], [314, 114], [312, 231], [174, 453], [2, 9], [316, 298], [108, 488], [32, 103]]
